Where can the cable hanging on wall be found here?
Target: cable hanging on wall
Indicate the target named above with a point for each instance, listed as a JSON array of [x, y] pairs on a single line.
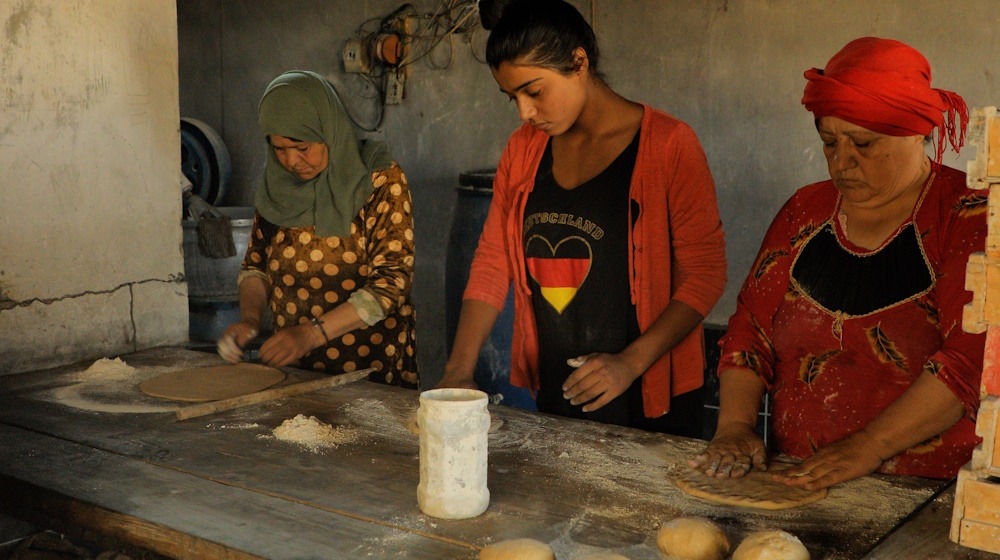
[[383, 49]]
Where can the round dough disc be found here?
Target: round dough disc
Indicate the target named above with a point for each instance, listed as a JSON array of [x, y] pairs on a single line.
[[755, 490], [517, 549], [212, 383], [411, 424]]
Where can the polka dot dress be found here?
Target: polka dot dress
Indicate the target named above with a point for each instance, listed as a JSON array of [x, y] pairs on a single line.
[[310, 275]]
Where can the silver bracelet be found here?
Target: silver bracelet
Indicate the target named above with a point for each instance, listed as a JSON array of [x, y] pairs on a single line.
[[319, 325]]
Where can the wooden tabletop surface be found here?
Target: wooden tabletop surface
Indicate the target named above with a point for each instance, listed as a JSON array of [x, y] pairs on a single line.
[[111, 458]]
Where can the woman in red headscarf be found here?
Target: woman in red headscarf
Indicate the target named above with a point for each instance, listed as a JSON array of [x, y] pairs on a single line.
[[851, 317]]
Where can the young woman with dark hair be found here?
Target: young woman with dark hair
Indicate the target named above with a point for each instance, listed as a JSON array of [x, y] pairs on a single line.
[[604, 220]]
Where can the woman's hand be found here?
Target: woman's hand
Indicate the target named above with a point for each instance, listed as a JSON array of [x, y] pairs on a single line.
[[600, 378], [290, 344], [850, 458], [456, 381], [732, 453], [235, 337], [457, 378]]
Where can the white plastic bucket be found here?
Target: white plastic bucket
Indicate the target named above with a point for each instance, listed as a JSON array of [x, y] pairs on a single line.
[[453, 453]]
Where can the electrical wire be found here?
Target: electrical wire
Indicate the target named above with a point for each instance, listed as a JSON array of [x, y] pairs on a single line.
[[472, 46], [445, 18], [469, 13], [449, 18]]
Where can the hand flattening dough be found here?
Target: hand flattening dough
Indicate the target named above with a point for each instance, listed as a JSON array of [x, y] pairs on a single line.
[[755, 490], [692, 538], [771, 545], [517, 549]]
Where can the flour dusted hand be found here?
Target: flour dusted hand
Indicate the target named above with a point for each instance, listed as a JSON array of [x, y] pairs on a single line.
[[734, 451], [599, 379], [290, 344], [232, 341]]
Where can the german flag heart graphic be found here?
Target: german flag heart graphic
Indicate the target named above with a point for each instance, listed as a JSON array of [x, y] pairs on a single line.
[[560, 270]]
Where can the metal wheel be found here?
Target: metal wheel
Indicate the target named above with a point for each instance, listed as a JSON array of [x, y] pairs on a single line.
[[204, 160]]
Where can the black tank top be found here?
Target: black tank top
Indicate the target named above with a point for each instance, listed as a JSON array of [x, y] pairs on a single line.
[[576, 249]]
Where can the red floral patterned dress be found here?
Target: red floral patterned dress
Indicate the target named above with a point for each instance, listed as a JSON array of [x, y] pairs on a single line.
[[838, 332]]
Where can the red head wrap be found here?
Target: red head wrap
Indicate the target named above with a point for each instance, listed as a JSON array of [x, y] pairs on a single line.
[[885, 86]]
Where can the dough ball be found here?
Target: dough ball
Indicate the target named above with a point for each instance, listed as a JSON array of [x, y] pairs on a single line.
[[517, 549], [692, 538], [412, 425], [771, 545]]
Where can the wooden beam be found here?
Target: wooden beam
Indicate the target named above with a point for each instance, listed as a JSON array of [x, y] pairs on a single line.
[[993, 157], [43, 506]]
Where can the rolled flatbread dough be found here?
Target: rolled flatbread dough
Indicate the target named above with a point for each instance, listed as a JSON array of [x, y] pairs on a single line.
[[755, 490], [212, 383], [495, 423], [517, 549], [771, 545]]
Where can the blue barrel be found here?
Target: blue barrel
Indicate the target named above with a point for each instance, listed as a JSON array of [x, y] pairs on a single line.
[[475, 191]]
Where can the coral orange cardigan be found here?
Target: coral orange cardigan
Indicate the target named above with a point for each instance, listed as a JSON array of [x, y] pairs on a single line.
[[677, 249]]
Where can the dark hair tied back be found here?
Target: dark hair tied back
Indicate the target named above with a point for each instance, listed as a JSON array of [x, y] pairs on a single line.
[[490, 11], [538, 33]]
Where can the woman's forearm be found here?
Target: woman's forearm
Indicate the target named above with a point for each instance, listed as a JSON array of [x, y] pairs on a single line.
[[675, 322], [740, 391], [253, 300], [474, 326], [925, 410], [337, 322]]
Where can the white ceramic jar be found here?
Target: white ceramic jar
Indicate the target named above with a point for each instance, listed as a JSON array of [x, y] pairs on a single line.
[[453, 450]]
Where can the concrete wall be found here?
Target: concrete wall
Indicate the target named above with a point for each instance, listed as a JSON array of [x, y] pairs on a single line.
[[730, 68], [90, 238]]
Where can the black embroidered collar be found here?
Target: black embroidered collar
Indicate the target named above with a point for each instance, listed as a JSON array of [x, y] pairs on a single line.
[[862, 283]]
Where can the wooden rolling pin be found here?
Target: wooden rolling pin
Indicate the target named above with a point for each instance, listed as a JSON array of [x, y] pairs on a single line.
[[270, 394]]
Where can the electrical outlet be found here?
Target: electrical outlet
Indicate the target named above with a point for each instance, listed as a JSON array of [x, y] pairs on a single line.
[[393, 88], [356, 57]]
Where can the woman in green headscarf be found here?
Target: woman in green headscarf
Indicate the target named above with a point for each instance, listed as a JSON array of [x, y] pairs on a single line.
[[332, 245]]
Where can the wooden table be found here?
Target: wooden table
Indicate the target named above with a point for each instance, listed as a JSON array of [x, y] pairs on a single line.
[[103, 455]]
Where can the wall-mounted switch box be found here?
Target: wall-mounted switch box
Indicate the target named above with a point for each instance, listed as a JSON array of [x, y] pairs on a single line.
[[356, 57], [394, 88]]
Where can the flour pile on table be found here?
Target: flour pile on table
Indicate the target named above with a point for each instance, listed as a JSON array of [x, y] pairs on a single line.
[[106, 369], [313, 434], [108, 386]]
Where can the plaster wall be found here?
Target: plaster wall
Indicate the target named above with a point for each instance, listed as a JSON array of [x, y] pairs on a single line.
[[730, 68], [90, 237]]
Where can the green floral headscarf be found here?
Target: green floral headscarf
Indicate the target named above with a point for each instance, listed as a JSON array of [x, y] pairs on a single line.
[[304, 106]]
